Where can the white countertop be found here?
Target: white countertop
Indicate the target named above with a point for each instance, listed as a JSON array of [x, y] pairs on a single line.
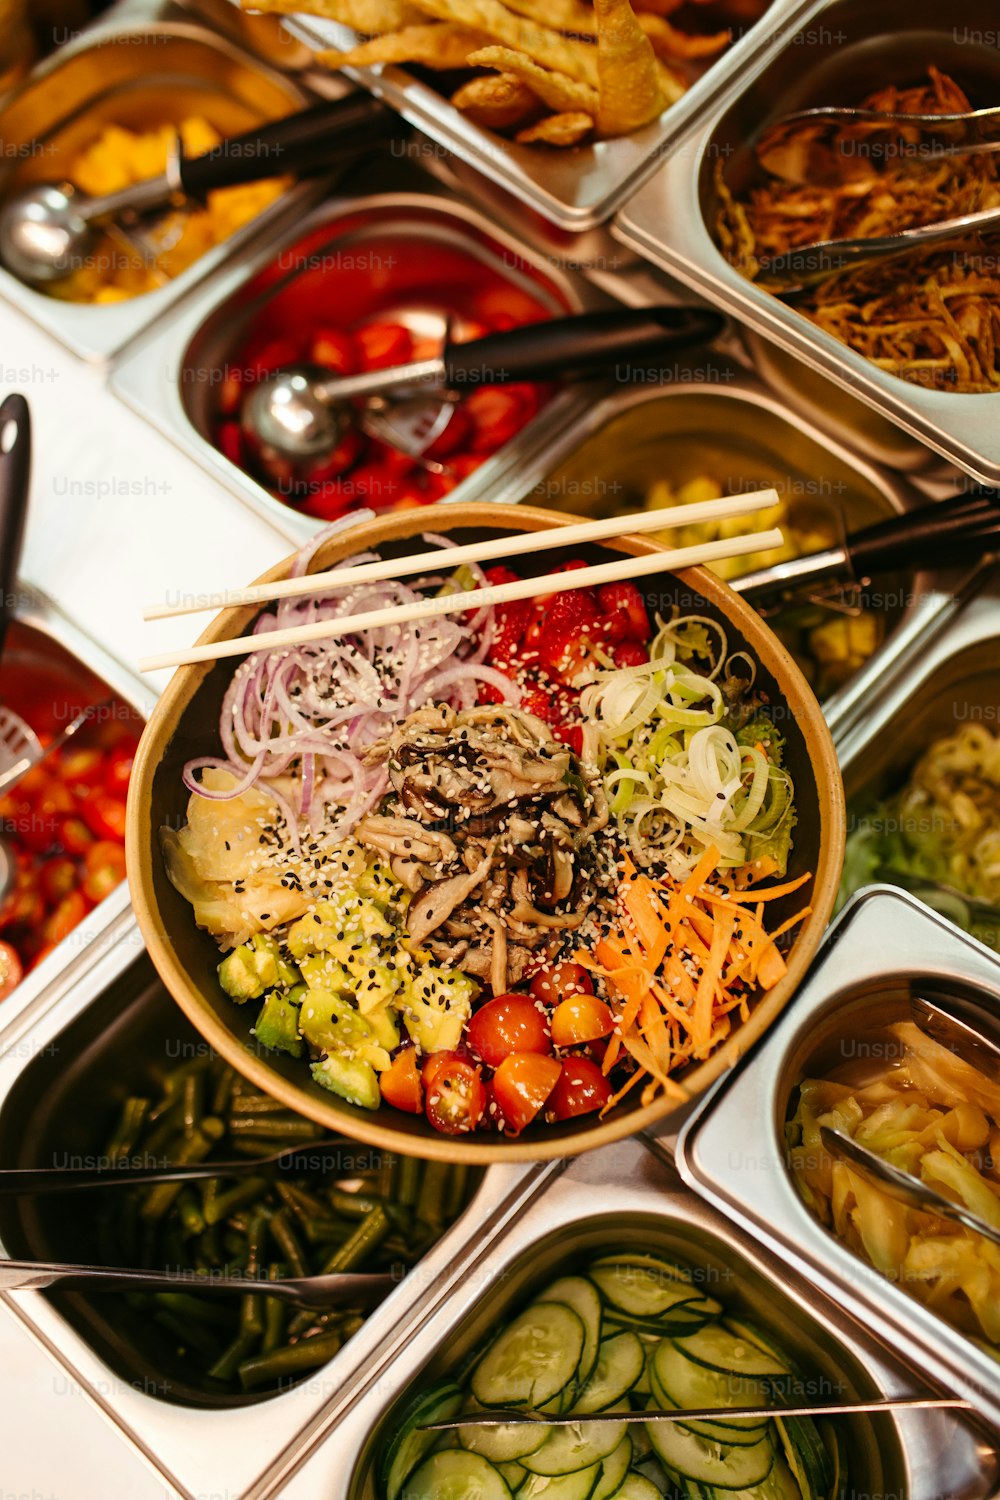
[[118, 517]]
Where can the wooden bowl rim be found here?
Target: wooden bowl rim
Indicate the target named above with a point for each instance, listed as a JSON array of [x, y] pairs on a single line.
[[369, 535]]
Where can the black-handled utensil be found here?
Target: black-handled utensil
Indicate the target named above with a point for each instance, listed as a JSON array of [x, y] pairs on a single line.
[[308, 1156], [339, 1289], [15, 478], [938, 535], [296, 417], [45, 232]]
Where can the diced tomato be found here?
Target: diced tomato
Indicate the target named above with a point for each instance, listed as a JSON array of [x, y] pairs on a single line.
[[119, 767], [464, 464], [229, 438], [497, 416], [74, 835], [571, 735], [335, 350], [506, 1024], [626, 597], [434, 487], [455, 435], [381, 345], [346, 453], [375, 484], [581, 1088], [456, 1098], [231, 391], [104, 815], [330, 502], [401, 1085], [71, 910], [274, 354], [579, 1019], [11, 970], [521, 1085], [103, 870], [561, 981], [629, 654], [57, 879], [81, 768]]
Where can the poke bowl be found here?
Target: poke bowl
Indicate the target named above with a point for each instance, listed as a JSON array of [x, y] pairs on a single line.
[[406, 884]]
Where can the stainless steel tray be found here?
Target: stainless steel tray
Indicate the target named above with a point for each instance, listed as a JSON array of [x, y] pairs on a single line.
[[610, 1199], [197, 1451], [55, 636], [171, 378], [85, 80], [575, 189], [833, 42], [732, 1148], [716, 419]]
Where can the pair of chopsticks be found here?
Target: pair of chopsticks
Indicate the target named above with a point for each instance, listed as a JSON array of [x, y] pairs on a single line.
[[623, 570]]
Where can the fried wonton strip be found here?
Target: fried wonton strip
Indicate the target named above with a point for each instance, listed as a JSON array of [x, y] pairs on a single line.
[[556, 91], [561, 54], [434, 45], [628, 78], [567, 129], [668, 41], [367, 17], [571, 16], [498, 102]]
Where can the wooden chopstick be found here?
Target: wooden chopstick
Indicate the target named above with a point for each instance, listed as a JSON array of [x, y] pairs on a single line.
[[624, 569], [701, 511]]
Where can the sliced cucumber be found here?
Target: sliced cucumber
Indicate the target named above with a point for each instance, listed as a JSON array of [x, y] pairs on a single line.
[[686, 1384], [569, 1449], [581, 1295], [717, 1348], [637, 1487], [515, 1475], [642, 1291], [613, 1470], [409, 1445], [717, 1431], [456, 1475], [834, 1443], [720, 1465], [501, 1445], [779, 1485], [621, 1360], [678, 1321], [533, 1358], [578, 1486], [806, 1455]]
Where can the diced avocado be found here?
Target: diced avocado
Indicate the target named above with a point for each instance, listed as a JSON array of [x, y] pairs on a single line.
[[363, 975], [338, 925], [272, 968], [277, 1026], [329, 1023], [350, 1077], [239, 977], [435, 1007], [321, 971], [379, 883], [384, 1025]]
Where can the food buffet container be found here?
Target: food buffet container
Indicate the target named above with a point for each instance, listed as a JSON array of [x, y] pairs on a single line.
[[835, 50], [885, 947], [716, 420], [60, 1085], [578, 188], [625, 1198], [173, 379], [135, 70], [42, 637]]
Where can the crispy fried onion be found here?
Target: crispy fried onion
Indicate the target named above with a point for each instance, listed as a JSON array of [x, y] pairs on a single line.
[[490, 824]]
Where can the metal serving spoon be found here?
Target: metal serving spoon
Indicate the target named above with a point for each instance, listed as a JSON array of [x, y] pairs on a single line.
[[46, 231], [342, 1288], [306, 1156], [901, 1186], [965, 132], [17, 739], [967, 1042], [518, 1417], [298, 415]]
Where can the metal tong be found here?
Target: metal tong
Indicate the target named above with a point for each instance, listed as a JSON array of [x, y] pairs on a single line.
[[941, 534], [972, 1046]]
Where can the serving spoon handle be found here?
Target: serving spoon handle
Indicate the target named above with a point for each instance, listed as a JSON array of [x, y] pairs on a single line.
[[341, 1289]]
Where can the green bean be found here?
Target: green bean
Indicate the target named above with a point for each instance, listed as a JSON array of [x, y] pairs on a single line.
[[190, 1214], [408, 1186], [388, 1166], [211, 1310], [191, 1103], [189, 1333], [168, 1127], [246, 1191], [303, 1204], [367, 1237], [294, 1359], [223, 1091], [256, 1233], [326, 1231], [279, 1128], [229, 1361], [259, 1104], [249, 1146], [352, 1205], [130, 1124], [275, 1314], [208, 1248], [252, 1315], [430, 1209], [194, 1149], [287, 1241]]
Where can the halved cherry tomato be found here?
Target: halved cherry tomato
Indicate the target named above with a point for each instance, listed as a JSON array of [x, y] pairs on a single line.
[[74, 835], [497, 415], [374, 484], [400, 1083], [625, 596], [582, 1088], [271, 355], [506, 1024], [336, 350], [456, 1098], [119, 768], [57, 879], [70, 911], [521, 1085], [104, 815], [103, 870], [436, 1061], [579, 1019], [11, 970], [383, 344], [82, 768], [629, 654], [454, 436], [560, 981]]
